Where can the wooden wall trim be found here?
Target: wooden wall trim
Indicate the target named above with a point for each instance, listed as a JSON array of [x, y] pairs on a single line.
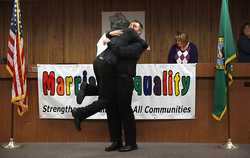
[[204, 70]]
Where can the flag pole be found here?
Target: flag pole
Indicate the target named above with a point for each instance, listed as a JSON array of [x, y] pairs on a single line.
[[11, 144], [229, 144]]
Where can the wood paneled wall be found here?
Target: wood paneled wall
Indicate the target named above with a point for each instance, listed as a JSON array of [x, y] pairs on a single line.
[[66, 31]]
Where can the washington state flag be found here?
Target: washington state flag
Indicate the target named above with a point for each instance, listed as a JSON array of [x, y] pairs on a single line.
[[226, 52]]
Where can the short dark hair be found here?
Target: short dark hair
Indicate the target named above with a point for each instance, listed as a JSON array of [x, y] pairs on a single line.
[[137, 21], [243, 27]]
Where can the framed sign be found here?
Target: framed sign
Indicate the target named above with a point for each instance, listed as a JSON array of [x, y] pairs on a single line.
[[120, 19]]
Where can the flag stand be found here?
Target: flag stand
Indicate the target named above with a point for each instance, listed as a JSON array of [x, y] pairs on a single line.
[[11, 144], [229, 145]]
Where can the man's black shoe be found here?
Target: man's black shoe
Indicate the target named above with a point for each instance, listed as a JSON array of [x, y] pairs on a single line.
[[81, 93], [128, 148], [77, 120], [114, 146]]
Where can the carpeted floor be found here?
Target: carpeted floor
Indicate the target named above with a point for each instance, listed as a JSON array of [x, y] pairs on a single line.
[[146, 150]]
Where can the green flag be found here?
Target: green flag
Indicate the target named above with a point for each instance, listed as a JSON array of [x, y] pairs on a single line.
[[226, 52]]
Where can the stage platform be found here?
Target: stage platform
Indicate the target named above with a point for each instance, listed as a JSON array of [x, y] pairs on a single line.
[[146, 150]]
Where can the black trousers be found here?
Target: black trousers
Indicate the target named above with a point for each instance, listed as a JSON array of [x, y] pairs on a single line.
[[121, 115], [115, 94], [105, 77], [106, 90]]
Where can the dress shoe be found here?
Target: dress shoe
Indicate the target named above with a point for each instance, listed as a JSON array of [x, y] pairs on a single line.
[[81, 93], [114, 146], [77, 120], [128, 148]]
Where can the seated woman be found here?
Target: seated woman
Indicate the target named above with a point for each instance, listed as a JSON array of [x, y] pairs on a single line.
[[244, 44], [183, 51]]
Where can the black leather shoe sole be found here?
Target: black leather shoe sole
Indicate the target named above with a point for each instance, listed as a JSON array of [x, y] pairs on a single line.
[[113, 147], [128, 148]]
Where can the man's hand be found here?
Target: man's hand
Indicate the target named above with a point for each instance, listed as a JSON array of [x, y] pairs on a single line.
[[148, 48], [116, 33]]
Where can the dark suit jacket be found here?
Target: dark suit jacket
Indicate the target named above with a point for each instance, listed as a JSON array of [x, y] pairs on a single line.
[[129, 36], [128, 57]]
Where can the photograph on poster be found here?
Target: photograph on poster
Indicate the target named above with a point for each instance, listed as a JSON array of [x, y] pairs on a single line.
[[119, 19]]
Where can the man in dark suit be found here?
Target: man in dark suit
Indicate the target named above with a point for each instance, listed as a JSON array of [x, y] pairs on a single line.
[[126, 49], [122, 113]]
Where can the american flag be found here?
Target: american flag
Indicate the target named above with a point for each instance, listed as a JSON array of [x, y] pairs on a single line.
[[16, 60]]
